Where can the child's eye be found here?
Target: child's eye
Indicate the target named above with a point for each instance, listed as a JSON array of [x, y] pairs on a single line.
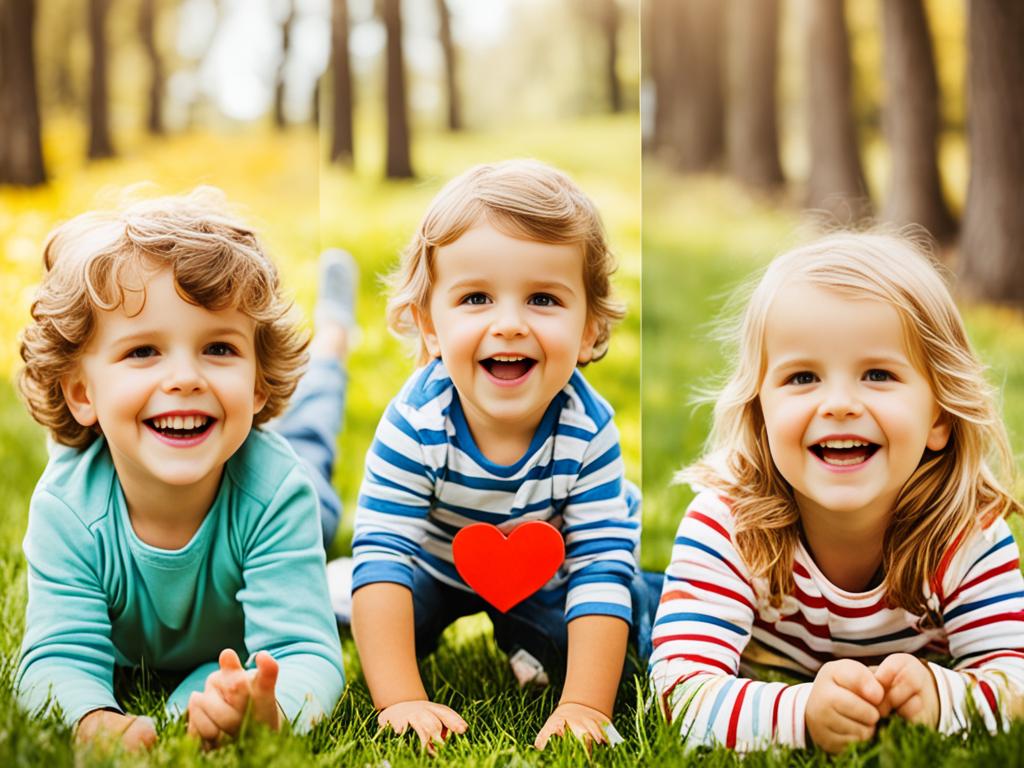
[[220, 349], [141, 353], [802, 377], [878, 375], [544, 300], [475, 299]]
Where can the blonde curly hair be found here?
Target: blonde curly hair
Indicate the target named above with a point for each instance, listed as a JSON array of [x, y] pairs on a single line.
[[522, 198], [217, 262], [952, 491]]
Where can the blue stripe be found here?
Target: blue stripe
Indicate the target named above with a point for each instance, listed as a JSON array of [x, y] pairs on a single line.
[[396, 459], [631, 524], [901, 635], [610, 490], [599, 546], [756, 708], [568, 467], [388, 483], [595, 407], [713, 717], [968, 607], [995, 547], [610, 456], [482, 516], [564, 430], [423, 437], [596, 608], [701, 618], [381, 539], [378, 571], [685, 541], [392, 508]]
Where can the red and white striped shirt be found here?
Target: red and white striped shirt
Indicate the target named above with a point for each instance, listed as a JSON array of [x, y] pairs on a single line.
[[711, 614]]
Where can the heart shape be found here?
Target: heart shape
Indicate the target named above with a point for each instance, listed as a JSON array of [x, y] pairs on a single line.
[[506, 571]]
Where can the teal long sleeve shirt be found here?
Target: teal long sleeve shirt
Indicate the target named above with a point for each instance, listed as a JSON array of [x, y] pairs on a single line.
[[252, 578]]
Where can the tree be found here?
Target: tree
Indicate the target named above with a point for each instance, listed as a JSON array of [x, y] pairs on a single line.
[[450, 69], [99, 101], [341, 79], [147, 24], [609, 19], [286, 34], [993, 225], [687, 72], [752, 143], [21, 153], [836, 182], [911, 120], [399, 164]]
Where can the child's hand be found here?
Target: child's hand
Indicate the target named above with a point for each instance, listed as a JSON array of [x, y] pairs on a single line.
[[910, 689], [586, 723], [231, 691], [431, 721], [844, 705], [134, 732]]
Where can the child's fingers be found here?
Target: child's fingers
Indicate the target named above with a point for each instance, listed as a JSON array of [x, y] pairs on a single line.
[[550, 729], [851, 707], [855, 677], [450, 718], [222, 714], [229, 661], [199, 722], [140, 733], [264, 684]]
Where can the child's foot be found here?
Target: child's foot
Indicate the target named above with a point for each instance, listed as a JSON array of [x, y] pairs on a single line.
[[339, 585], [334, 318]]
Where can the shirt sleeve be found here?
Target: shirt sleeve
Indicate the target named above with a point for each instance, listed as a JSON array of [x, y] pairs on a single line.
[[704, 621], [67, 656], [982, 600], [601, 533], [394, 501], [286, 605]]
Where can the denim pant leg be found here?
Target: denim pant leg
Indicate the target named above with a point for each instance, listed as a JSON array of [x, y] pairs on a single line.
[[435, 605], [537, 625], [312, 425]]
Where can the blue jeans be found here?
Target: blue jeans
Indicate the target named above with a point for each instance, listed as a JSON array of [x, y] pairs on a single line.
[[537, 624], [311, 426]]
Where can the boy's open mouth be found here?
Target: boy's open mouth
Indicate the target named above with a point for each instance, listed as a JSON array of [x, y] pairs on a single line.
[[180, 427], [508, 367], [844, 453]]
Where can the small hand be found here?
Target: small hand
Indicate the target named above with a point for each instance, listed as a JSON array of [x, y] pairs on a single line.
[[232, 691], [134, 732], [844, 705], [432, 722], [910, 689], [586, 723]]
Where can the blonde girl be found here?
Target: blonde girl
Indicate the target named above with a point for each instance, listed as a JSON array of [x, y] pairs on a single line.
[[849, 521]]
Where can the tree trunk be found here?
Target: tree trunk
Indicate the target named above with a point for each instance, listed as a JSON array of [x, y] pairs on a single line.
[[341, 77], [752, 141], [286, 35], [911, 120], [450, 69], [609, 14], [147, 32], [99, 100], [993, 225], [398, 165], [21, 153], [688, 81], [836, 182]]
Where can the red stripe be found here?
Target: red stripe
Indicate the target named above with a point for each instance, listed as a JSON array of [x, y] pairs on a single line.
[[989, 697], [695, 638], [812, 601], [668, 692], [710, 522], [799, 570], [940, 572], [676, 594], [1011, 616], [993, 656], [707, 661], [1007, 567], [775, 713], [796, 642], [730, 736], [707, 585]]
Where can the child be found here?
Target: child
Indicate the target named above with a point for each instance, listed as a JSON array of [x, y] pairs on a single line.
[[506, 288], [850, 524], [169, 529]]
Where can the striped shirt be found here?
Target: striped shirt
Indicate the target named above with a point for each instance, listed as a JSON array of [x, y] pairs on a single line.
[[711, 615], [426, 479]]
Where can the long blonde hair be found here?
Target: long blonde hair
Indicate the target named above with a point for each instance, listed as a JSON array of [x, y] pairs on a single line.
[[949, 493]]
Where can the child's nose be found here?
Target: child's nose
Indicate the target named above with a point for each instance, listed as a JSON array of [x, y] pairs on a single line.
[[840, 402], [509, 321], [184, 376]]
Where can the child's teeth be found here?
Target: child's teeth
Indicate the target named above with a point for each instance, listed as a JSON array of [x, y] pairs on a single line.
[[843, 444]]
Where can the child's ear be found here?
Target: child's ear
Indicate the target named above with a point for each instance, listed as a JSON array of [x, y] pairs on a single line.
[[259, 400], [78, 397], [427, 332], [587, 342], [938, 436]]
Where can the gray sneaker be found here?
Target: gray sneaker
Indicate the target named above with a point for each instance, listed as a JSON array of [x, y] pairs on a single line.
[[336, 291]]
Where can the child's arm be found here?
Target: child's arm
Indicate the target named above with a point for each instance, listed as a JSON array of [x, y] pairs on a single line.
[[703, 624], [591, 681], [67, 652], [982, 604], [382, 625], [286, 604]]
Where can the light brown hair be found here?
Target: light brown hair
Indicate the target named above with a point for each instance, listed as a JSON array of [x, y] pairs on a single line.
[[951, 492], [217, 262], [522, 198]]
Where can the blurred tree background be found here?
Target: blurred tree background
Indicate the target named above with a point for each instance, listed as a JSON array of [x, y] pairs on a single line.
[[766, 122]]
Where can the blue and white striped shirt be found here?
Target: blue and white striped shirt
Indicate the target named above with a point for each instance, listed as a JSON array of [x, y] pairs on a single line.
[[426, 479]]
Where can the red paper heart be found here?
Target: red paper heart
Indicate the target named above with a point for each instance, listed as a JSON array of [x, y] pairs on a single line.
[[506, 571]]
